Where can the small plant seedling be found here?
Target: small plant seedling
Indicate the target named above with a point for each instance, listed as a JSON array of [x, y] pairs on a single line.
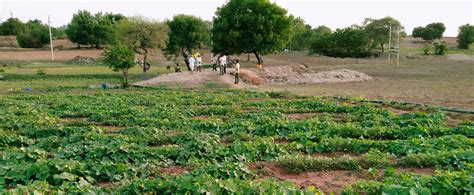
[[40, 72]]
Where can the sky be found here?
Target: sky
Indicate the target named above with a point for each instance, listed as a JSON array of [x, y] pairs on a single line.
[[334, 14]]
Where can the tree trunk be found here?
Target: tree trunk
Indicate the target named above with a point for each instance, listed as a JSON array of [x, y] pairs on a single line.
[[381, 45], [125, 77], [248, 57], [185, 56], [145, 63], [259, 58]]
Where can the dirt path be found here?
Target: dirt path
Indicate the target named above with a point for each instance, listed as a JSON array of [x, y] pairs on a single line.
[[461, 57]]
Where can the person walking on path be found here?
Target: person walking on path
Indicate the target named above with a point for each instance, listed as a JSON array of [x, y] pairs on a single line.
[[191, 61], [222, 63], [237, 72], [199, 63], [214, 63]]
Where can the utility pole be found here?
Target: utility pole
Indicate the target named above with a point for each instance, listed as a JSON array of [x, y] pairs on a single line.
[[389, 39], [398, 47], [50, 39]]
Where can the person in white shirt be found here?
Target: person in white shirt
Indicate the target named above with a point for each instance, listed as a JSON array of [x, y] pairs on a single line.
[[237, 72], [222, 63], [191, 61], [199, 63]]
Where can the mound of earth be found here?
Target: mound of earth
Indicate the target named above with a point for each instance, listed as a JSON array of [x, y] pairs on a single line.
[[82, 60], [191, 79], [299, 74]]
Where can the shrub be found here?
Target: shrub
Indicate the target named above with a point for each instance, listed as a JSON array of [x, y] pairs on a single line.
[[36, 35], [120, 58], [440, 48], [40, 71], [426, 49]]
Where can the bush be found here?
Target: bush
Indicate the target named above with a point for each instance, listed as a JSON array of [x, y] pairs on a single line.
[[426, 49], [440, 48], [120, 58], [36, 35], [40, 72], [351, 42]]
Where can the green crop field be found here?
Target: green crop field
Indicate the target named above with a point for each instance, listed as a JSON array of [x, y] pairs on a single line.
[[164, 140]]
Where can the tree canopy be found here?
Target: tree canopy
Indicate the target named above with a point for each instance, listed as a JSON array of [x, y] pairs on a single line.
[[351, 41], [13, 26], [302, 35], [119, 58], [141, 34], [94, 30], [36, 35], [251, 26], [378, 29], [186, 33], [430, 32], [465, 36]]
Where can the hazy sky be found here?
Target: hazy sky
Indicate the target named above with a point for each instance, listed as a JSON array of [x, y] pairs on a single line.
[[335, 14]]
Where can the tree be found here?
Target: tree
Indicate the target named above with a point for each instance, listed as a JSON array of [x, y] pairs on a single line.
[[347, 42], [81, 28], [186, 33], [142, 34], [352, 42], [119, 58], [257, 26], [378, 29], [321, 42], [104, 29], [430, 32], [94, 30], [13, 26], [417, 32], [59, 32], [302, 35], [36, 35], [465, 36]]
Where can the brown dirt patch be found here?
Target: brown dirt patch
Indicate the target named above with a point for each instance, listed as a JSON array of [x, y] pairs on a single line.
[[327, 181], [110, 127], [71, 119], [301, 115], [399, 111], [282, 141], [257, 99], [173, 170], [455, 118], [421, 171], [107, 185], [333, 154], [247, 111], [201, 116], [250, 77], [62, 55], [299, 74]]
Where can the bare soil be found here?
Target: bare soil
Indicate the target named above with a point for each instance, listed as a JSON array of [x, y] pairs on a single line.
[[299, 74], [327, 181], [71, 120], [302, 115], [174, 170], [201, 116]]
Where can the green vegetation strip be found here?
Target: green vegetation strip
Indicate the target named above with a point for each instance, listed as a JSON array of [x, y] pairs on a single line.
[[121, 141]]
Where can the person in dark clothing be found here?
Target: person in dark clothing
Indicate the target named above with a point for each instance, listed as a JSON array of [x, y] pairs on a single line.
[[177, 68]]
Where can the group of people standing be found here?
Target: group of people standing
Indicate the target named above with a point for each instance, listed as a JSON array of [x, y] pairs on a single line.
[[195, 59], [217, 60]]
